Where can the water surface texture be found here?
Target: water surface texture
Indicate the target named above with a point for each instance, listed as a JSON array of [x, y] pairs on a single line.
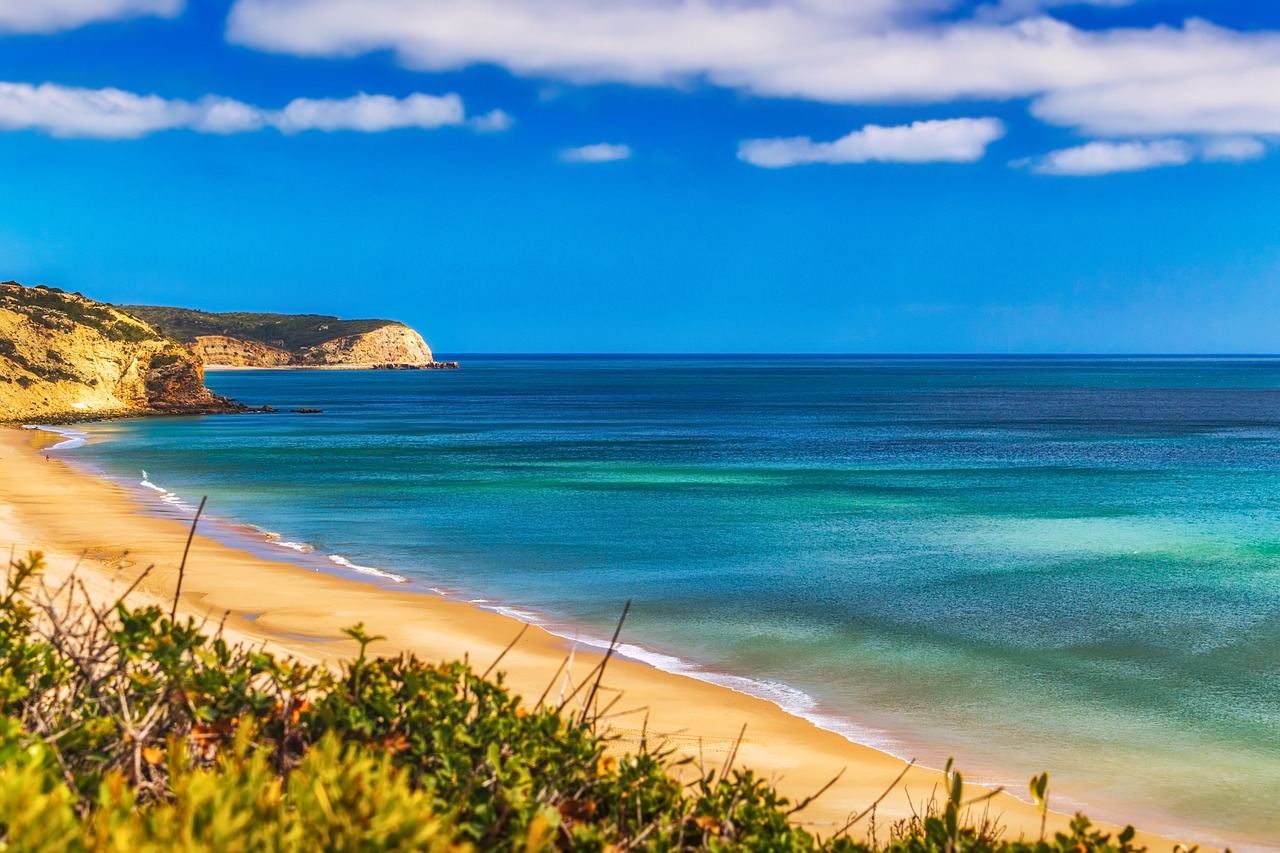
[[1063, 564]]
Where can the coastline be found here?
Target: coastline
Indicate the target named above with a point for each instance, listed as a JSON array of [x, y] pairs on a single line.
[[51, 506], [432, 365]]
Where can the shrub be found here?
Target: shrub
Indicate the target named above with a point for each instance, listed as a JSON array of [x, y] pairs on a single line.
[[124, 729]]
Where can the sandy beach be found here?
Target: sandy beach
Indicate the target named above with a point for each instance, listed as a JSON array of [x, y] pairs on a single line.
[[77, 519]]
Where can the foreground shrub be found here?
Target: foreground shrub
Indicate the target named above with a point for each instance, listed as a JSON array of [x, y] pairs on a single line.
[[336, 799], [124, 729]]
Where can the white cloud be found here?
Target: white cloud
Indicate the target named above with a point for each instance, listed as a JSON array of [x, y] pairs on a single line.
[[491, 122], [1234, 149], [601, 152], [872, 51], [370, 113], [213, 114], [961, 140], [43, 16], [1244, 101], [1105, 158], [115, 114], [103, 113]]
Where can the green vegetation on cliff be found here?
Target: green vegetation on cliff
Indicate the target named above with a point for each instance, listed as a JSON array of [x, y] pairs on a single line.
[[291, 332], [123, 729], [56, 309], [65, 357]]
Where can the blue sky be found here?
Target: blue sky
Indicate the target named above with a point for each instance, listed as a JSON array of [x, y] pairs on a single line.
[[661, 175]]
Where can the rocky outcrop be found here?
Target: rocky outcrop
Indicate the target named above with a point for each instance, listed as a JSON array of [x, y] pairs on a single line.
[[63, 356], [394, 343]]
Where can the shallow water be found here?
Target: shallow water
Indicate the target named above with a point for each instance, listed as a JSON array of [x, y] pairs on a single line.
[[1071, 564]]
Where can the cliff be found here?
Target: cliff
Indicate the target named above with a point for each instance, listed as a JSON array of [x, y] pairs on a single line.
[[63, 356], [234, 352], [394, 343], [242, 339]]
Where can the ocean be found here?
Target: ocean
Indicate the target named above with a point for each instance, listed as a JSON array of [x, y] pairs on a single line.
[[1031, 564]]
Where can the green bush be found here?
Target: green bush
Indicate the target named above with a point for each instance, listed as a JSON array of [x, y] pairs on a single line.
[[122, 729]]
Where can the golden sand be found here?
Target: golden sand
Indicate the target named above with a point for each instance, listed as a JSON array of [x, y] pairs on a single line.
[[77, 519]]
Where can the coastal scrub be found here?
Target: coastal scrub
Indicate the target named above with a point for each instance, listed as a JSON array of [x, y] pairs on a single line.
[[124, 729]]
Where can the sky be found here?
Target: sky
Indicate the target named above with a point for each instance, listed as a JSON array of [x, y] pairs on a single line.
[[807, 176]]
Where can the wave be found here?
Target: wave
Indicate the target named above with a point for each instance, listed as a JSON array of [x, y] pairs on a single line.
[[167, 496], [71, 438], [790, 699], [366, 570], [516, 613], [275, 539]]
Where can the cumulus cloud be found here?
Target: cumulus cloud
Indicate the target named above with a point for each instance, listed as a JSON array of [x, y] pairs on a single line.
[[370, 113], [43, 16], [1105, 158], [112, 113], [1244, 101], [601, 152], [115, 114], [961, 140], [213, 114], [874, 51]]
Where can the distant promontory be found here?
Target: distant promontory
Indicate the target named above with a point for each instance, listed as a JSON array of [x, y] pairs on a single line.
[[243, 339], [65, 357]]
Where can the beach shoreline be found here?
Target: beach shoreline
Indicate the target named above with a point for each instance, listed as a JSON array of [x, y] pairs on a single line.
[[431, 365], [75, 518]]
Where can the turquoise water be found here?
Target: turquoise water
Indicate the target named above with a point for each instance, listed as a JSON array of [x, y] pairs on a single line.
[[1031, 564]]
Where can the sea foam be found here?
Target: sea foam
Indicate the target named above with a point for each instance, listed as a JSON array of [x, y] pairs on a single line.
[[71, 438], [340, 560], [795, 702], [167, 496]]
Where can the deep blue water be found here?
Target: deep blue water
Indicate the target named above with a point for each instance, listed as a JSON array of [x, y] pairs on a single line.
[[1062, 564]]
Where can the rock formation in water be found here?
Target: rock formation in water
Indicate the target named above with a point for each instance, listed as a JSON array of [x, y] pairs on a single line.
[[242, 339], [63, 356]]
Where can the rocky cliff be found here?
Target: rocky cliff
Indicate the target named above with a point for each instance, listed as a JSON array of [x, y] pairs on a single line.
[[394, 343], [242, 339], [234, 352], [63, 356]]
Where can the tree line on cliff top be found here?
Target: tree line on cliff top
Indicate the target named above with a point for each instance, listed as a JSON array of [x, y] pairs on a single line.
[[290, 332], [125, 728]]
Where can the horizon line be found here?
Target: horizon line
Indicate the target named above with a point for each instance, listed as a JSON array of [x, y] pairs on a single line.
[[867, 355]]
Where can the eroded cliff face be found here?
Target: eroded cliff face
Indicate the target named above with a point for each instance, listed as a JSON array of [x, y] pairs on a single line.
[[258, 339], [391, 345], [65, 356], [232, 352], [394, 343]]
